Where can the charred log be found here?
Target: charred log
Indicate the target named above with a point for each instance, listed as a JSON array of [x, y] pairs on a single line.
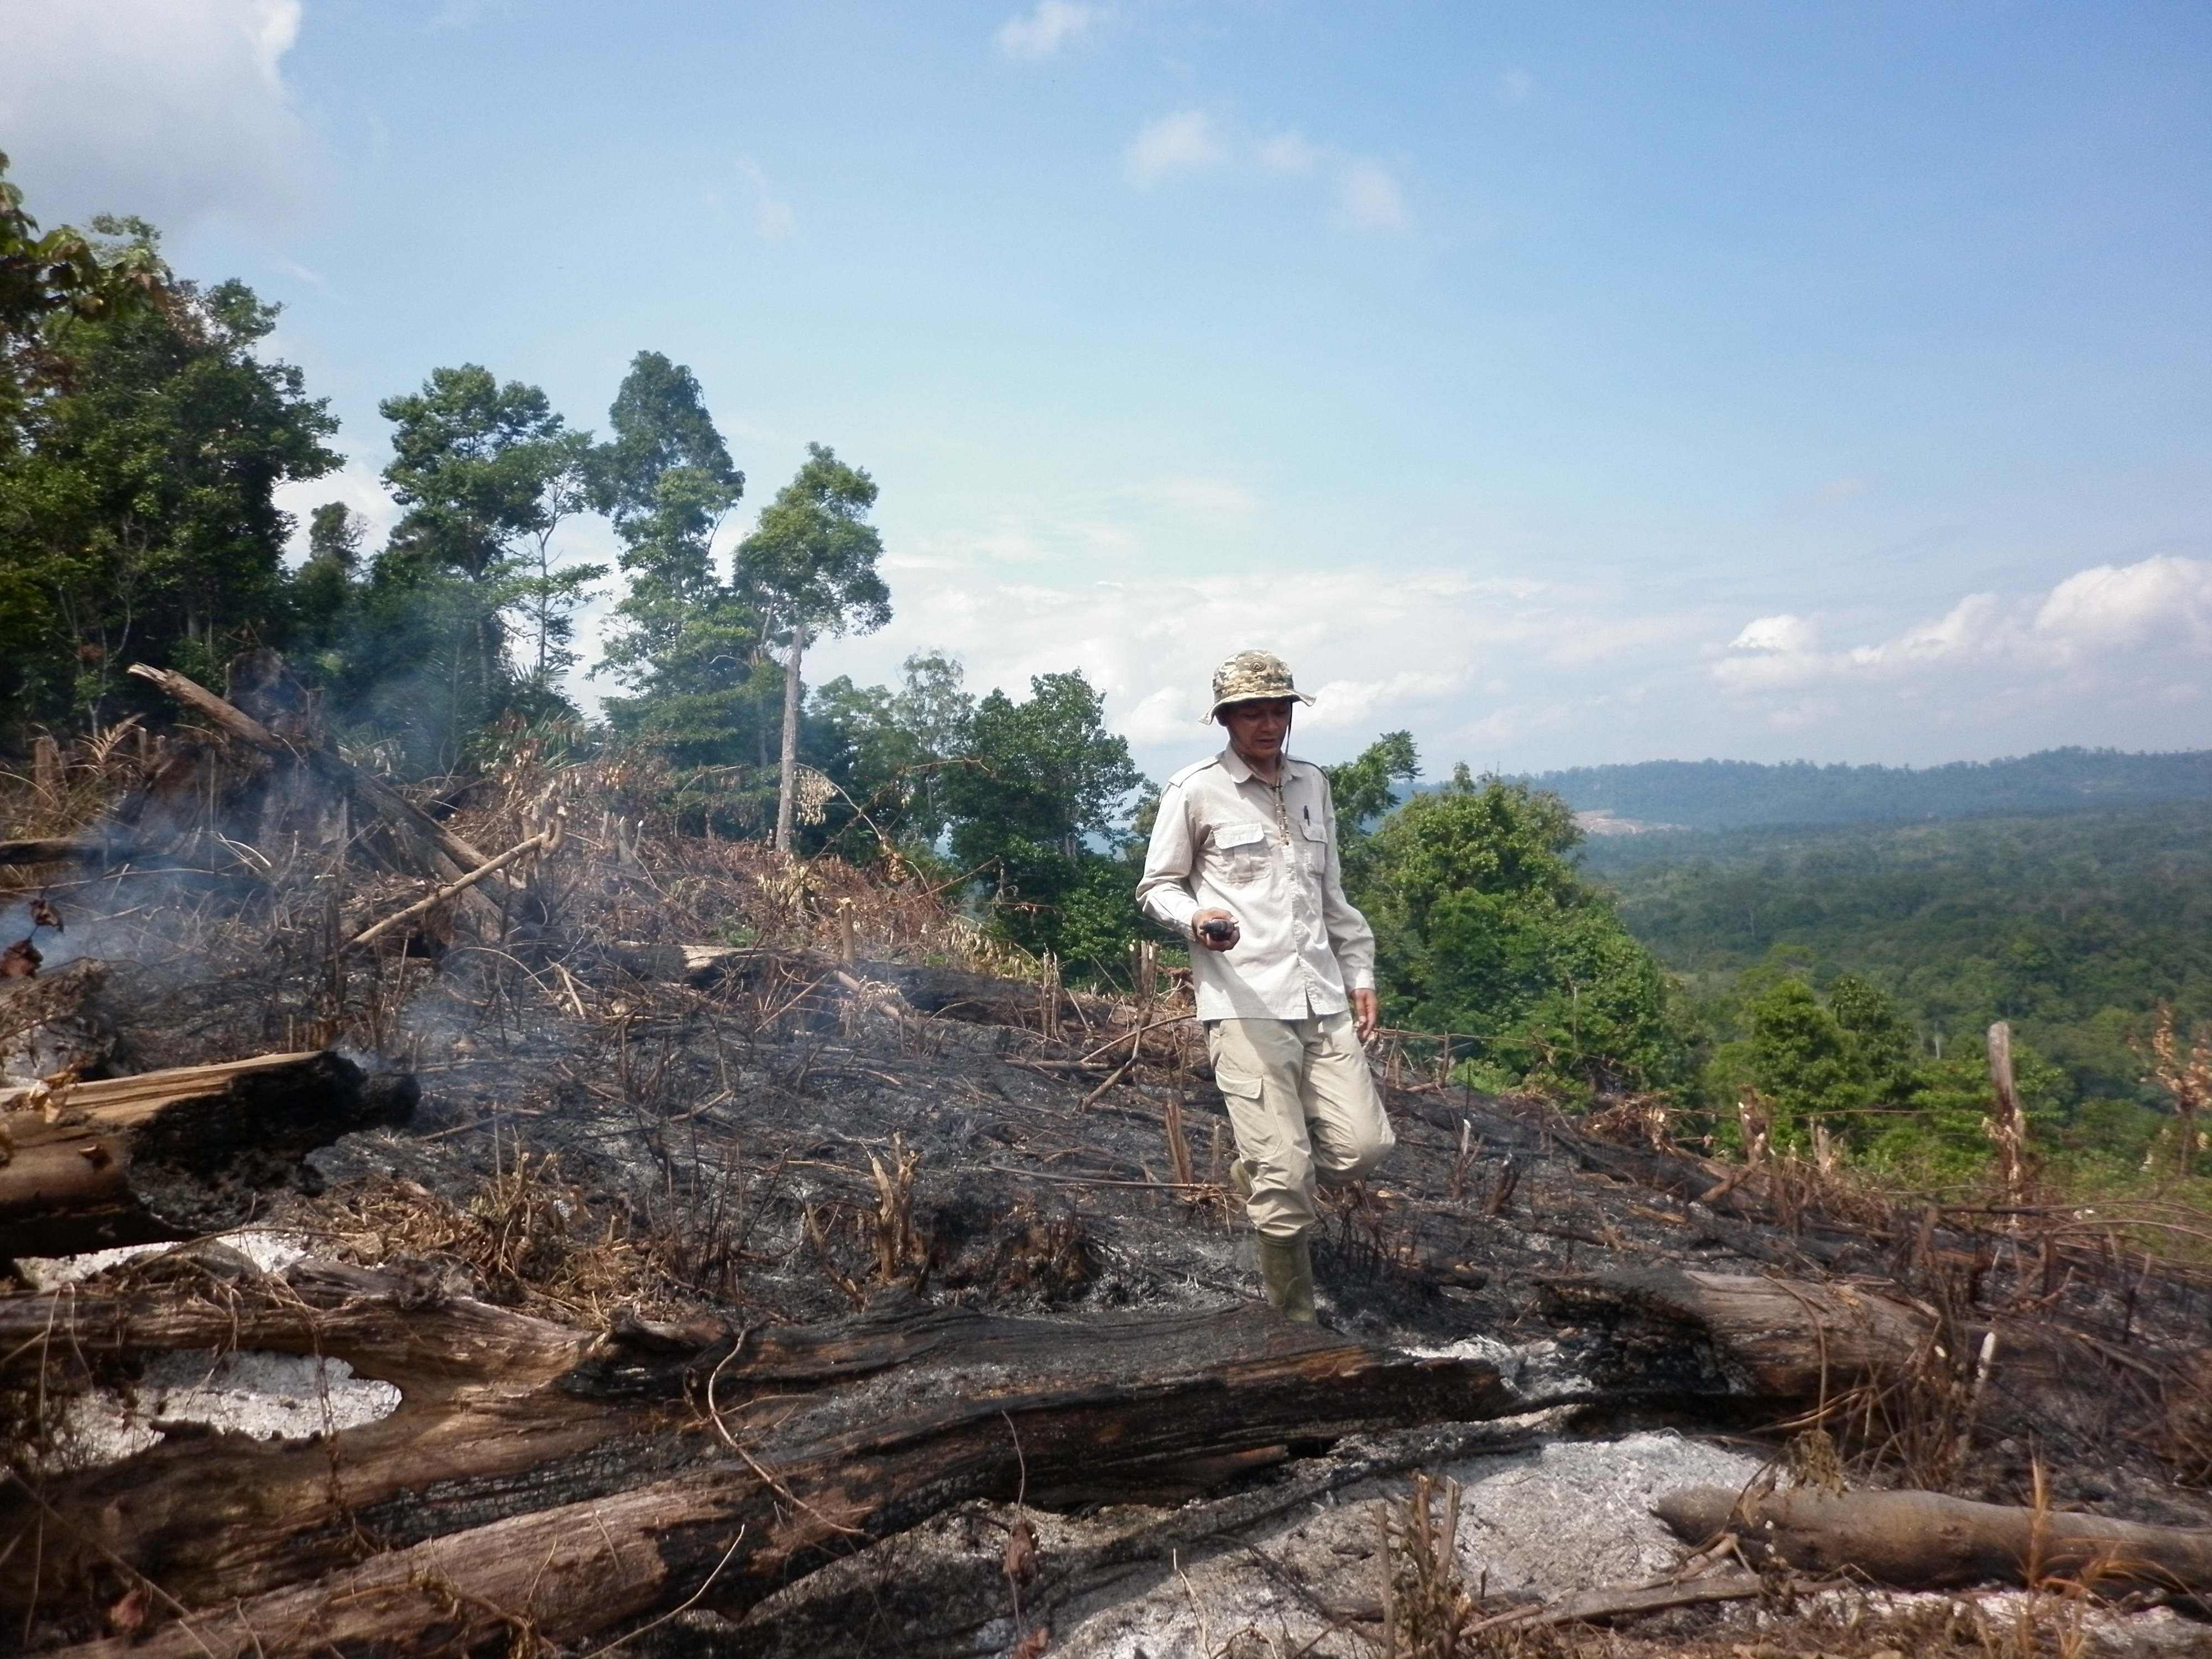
[[1665, 1331], [175, 1153], [1922, 1541], [818, 1441]]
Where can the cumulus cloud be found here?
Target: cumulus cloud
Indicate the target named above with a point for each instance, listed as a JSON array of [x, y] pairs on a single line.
[[1367, 197], [1051, 25], [175, 110], [2126, 619]]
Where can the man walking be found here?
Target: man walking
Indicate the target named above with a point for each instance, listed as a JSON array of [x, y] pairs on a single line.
[[1243, 862]]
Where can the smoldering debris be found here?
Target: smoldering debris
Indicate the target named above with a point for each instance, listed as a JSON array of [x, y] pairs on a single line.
[[770, 1217]]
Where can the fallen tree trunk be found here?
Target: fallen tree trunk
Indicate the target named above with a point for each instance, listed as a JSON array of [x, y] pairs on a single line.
[[816, 1441], [174, 1153], [1922, 1541], [1662, 1330]]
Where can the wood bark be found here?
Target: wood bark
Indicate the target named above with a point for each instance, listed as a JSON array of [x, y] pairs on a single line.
[[173, 1153], [1667, 1331], [818, 1440], [1922, 1541]]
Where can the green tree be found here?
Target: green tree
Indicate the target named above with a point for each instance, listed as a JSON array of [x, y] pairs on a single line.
[[137, 504], [488, 471], [894, 748], [1485, 928], [684, 645], [1043, 788], [810, 569], [64, 275]]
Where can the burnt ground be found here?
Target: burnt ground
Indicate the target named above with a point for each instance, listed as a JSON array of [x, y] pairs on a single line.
[[615, 1126]]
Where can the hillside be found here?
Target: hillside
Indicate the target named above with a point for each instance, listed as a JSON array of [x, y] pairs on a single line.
[[2072, 926], [1713, 794]]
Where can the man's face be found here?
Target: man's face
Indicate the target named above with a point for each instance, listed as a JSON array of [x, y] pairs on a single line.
[[1258, 729]]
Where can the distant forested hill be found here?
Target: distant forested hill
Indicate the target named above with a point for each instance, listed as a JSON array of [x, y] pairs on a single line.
[[1718, 794], [2072, 926]]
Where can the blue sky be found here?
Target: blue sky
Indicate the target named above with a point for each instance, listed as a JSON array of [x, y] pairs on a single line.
[[1568, 383]]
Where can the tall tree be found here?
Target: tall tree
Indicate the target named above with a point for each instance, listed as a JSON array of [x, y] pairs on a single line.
[[810, 566], [1484, 926], [682, 643], [486, 472]]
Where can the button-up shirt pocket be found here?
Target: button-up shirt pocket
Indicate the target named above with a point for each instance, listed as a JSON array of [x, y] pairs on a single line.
[[1313, 848], [1238, 853]]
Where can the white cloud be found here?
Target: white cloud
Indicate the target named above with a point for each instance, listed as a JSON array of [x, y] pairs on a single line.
[[1783, 633], [2099, 626], [175, 110], [1516, 85], [1052, 24], [772, 214], [1189, 141], [1368, 197], [1839, 490], [358, 483], [2104, 609]]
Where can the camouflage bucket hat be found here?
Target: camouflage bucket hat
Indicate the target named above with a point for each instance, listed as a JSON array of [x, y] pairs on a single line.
[[1252, 676]]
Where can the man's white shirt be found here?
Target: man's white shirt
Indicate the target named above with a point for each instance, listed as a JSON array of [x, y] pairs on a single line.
[[1224, 840]]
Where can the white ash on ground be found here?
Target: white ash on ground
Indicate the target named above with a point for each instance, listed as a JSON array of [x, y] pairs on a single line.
[[1569, 1514]]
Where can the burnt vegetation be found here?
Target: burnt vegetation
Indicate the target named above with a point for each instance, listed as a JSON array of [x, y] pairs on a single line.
[[758, 1244]]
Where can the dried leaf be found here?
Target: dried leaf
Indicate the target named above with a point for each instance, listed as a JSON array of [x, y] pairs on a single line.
[[1033, 1644], [43, 914], [128, 1616], [20, 960], [1022, 1552]]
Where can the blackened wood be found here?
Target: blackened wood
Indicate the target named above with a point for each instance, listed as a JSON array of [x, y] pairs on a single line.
[[937, 1406], [1666, 1331], [173, 1154]]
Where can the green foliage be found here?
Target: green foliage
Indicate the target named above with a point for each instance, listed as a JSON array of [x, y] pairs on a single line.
[[138, 507], [2072, 927], [891, 752], [62, 276], [811, 563], [463, 620], [1485, 928], [686, 646], [1041, 781]]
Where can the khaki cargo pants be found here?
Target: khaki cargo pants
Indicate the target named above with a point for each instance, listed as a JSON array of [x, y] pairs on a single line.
[[1304, 1106]]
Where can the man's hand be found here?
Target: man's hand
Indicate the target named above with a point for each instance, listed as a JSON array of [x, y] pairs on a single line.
[[1366, 1014], [1208, 941]]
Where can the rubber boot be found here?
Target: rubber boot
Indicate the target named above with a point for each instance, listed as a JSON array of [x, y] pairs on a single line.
[[1286, 1276]]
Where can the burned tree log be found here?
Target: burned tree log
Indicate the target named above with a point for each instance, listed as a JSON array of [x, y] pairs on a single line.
[[815, 1442], [173, 1153], [1662, 1330], [1922, 1541]]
